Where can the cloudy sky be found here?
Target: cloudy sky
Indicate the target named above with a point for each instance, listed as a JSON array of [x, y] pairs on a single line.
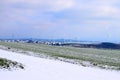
[[92, 20]]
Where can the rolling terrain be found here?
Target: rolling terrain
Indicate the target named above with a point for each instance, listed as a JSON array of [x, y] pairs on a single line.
[[108, 59], [45, 69]]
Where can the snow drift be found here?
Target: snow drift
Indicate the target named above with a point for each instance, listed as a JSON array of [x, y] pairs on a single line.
[[45, 69]]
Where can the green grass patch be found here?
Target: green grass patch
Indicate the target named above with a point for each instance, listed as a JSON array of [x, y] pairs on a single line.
[[8, 64]]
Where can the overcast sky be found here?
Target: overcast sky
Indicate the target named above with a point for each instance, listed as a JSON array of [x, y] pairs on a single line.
[[92, 20]]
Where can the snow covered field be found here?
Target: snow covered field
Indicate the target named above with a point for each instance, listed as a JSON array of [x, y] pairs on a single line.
[[45, 69]]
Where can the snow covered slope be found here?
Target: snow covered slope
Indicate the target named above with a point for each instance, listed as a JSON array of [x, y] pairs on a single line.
[[45, 69]]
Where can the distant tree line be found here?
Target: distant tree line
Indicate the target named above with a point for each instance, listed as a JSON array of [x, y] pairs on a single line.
[[103, 45]]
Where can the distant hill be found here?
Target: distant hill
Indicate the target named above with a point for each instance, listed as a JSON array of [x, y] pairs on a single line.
[[103, 45]]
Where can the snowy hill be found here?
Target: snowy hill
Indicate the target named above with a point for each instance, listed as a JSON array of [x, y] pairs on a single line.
[[45, 69]]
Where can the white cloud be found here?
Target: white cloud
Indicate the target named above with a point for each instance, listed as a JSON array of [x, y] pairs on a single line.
[[106, 11], [53, 5], [28, 15], [62, 4], [100, 8]]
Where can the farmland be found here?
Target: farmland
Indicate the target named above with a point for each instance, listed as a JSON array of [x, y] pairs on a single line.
[[108, 59]]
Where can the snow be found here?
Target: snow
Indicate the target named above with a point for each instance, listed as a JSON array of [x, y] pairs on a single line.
[[45, 69]]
